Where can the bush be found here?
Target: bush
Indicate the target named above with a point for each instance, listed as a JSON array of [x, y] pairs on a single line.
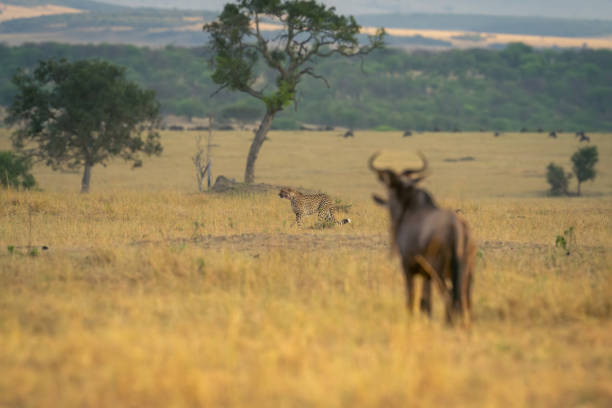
[[558, 179], [15, 171]]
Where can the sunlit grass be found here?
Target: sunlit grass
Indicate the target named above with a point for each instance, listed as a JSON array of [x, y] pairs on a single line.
[[153, 295]]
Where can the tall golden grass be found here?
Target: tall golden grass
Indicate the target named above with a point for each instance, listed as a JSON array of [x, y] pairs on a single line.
[[153, 295]]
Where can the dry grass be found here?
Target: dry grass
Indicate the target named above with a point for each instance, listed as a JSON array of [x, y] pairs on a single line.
[[151, 295]]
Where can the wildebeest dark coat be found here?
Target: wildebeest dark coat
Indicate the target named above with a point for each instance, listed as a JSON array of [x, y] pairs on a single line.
[[431, 242]]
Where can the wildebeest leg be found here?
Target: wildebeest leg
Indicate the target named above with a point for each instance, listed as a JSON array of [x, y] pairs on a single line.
[[426, 306], [409, 277], [467, 299]]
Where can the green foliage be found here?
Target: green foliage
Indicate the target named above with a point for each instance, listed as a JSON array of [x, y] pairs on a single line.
[[584, 160], [285, 124], [470, 89], [190, 108], [15, 171], [82, 113], [557, 178], [243, 112], [385, 128]]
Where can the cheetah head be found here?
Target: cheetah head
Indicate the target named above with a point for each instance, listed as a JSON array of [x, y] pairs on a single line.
[[286, 192]]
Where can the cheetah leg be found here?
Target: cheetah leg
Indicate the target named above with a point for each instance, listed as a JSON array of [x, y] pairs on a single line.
[[327, 217], [298, 220]]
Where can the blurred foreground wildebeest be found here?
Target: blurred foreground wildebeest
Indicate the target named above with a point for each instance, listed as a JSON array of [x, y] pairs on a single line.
[[432, 242]]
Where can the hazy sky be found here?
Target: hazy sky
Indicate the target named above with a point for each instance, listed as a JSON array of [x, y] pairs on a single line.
[[594, 9]]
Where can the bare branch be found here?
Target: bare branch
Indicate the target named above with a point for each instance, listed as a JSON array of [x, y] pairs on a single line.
[[308, 71], [219, 90]]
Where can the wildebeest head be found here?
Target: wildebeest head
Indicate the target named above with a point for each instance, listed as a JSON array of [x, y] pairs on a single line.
[[402, 188]]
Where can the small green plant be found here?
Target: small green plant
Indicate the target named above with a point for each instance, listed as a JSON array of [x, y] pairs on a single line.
[[567, 241], [558, 179], [201, 267], [15, 171], [11, 249]]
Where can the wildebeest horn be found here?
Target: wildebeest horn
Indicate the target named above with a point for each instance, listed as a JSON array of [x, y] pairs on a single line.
[[371, 162], [409, 172], [377, 170]]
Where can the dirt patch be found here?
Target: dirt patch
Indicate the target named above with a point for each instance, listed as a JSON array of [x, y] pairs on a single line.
[[459, 159], [256, 242]]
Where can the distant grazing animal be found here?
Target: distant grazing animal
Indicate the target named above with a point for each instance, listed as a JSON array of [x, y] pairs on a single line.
[[407, 133], [583, 137], [349, 133], [553, 134], [308, 204], [431, 242], [497, 134]]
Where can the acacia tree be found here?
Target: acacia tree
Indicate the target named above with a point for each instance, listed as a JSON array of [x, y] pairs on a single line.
[[298, 33], [79, 114], [584, 161]]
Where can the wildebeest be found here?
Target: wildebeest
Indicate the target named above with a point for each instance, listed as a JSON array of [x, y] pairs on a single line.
[[349, 133], [432, 242], [497, 134], [407, 133], [553, 134], [583, 137]]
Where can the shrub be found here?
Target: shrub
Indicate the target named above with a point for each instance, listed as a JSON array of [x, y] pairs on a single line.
[[558, 179], [15, 171]]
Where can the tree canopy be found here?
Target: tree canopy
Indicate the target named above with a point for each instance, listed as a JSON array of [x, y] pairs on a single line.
[[302, 32], [419, 90], [584, 160], [79, 114]]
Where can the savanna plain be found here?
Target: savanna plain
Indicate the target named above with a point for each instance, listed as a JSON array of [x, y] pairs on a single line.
[[154, 295]]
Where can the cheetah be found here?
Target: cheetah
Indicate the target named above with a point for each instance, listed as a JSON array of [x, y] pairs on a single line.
[[308, 204]]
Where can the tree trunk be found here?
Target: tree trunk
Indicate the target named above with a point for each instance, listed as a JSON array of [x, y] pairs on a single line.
[[578, 191], [86, 178], [260, 136]]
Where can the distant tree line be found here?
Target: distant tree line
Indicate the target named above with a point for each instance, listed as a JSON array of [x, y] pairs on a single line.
[[505, 90]]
